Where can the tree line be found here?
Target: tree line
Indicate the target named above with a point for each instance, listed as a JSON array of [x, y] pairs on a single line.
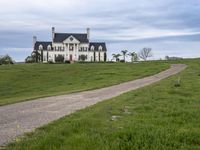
[[143, 54]]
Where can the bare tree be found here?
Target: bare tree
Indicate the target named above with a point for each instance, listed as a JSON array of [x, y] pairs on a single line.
[[145, 53]]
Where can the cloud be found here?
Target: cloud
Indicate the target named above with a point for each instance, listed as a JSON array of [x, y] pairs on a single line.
[[114, 21]]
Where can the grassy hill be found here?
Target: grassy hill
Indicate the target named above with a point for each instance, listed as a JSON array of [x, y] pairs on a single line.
[[28, 81], [156, 117]]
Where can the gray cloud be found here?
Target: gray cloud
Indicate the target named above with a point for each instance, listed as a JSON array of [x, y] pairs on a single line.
[[154, 23]]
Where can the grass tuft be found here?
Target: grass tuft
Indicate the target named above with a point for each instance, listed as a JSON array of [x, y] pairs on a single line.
[[178, 82]]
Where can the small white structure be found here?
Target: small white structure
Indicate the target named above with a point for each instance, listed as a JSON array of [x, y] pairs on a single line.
[[72, 46]]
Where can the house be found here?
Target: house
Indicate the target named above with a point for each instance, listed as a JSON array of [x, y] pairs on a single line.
[[71, 46]]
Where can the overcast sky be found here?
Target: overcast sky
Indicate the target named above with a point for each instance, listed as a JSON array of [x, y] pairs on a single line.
[[169, 27]]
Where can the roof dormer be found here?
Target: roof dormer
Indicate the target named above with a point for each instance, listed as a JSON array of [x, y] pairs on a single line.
[[100, 48], [40, 47], [92, 48]]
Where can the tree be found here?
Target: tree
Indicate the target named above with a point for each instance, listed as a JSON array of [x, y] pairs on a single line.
[[6, 60], [29, 59], [134, 56], [145, 53], [116, 56], [105, 57], [124, 53], [36, 56], [167, 57]]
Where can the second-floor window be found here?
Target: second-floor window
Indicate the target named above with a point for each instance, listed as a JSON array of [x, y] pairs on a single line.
[[83, 49], [71, 47]]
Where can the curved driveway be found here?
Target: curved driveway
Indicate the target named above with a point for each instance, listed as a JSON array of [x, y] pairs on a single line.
[[16, 119]]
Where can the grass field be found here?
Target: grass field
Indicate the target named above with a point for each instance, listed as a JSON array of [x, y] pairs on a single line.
[[157, 117], [29, 81]]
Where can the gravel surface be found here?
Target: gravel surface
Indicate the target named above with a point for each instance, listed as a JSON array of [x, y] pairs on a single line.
[[19, 118]]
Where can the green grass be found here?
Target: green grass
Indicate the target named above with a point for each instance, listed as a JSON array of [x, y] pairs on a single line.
[[29, 81], [157, 117]]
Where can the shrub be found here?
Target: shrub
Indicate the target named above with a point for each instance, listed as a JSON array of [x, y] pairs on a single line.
[[59, 59], [67, 62], [50, 62]]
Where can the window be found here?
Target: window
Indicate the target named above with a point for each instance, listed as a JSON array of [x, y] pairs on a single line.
[[40, 47], [61, 48], [100, 48], [85, 48], [81, 49], [92, 47], [71, 38], [49, 47], [71, 47]]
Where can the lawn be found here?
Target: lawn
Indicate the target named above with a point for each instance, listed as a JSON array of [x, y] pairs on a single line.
[[157, 117], [28, 81]]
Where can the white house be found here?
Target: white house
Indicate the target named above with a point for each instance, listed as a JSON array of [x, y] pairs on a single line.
[[72, 46]]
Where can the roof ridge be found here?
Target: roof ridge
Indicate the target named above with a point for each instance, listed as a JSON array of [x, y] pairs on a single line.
[[44, 41], [72, 33]]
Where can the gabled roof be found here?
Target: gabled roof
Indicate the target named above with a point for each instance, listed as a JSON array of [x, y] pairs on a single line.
[[44, 44], [60, 37], [97, 45]]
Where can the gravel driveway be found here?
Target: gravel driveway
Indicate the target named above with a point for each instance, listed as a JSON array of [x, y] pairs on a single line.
[[16, 119]]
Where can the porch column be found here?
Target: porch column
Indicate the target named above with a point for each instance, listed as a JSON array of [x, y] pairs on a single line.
[[77, 53], [68, 51], [88, 59], [74, 49]]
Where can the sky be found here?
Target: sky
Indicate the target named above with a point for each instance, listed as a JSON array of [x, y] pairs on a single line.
[[169, 27]]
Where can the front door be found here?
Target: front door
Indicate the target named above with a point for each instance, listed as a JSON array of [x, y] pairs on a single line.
[[70, 57]]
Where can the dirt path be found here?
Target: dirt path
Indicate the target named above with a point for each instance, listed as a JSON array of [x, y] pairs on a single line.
[[16, 119]]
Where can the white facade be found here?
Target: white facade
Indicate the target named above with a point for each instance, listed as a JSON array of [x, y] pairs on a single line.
[[75, 47]]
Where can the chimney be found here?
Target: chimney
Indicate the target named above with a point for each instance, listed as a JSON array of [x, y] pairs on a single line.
[[34, 41], [88, 34], [53, 33]]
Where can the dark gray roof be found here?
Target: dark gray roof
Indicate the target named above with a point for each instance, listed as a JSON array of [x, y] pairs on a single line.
[[96, 46], [44, 44], [60, 37]]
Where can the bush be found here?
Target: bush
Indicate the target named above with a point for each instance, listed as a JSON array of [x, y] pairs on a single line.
[[67, 62], [94, 62], [122, 61], [59, 59], [50, 62]]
